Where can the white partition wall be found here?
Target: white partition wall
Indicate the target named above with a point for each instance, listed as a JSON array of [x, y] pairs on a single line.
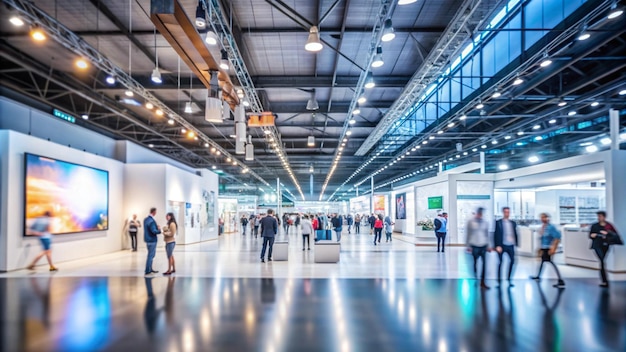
[[18, 251], [406, 195]]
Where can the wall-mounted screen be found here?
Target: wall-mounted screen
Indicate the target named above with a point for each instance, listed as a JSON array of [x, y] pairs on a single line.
[[77, 196], [401, 206], [435, 202]]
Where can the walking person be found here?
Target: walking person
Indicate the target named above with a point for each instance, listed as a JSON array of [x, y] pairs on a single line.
[[252, 222], [350, 221], [307, 230], [388, 228], [357, 224], [378, 228], [269, 229], [550, 238], [244, 224], [286, 223], [257, 223], [133, 227], [150, 232], [169, 235], [477, 243], [41, 228], [371, 220], [337, 222], [441, 230], [505, 241], [602, 235], [298, 222]]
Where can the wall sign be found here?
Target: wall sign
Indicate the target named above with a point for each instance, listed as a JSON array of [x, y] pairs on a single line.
[[435, 202]]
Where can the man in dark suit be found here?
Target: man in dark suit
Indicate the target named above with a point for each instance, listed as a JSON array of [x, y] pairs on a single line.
[[150, 232], [269, 229], [505, 240]]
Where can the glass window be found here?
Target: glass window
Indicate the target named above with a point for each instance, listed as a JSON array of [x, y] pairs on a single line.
[[489, 65]]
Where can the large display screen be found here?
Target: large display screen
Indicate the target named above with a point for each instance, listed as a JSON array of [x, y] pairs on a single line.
[[401, 206], [76, 196]]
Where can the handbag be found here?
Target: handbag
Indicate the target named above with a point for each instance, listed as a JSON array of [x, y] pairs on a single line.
[[613, 238]]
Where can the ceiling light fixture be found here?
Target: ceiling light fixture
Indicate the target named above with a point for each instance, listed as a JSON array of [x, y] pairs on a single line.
[[552, 122], [591, 148], [149, 106], [129, 93], [156, 76], [369, 81], [224, 65], [352, 121], [356, 111], [37, 34], [521, 133], [17, 21], [451, 124], [85, 116], [595, 103], [533, 159], [210, 38], [622, 92], [605, 141], [170, 121], [584, 36], [440, 132], [159, 112], [81, 63], [546, 62], [348, 133], [518, 81], [110, 80], [571, 113], [463, 117], [362, 99], [313, 43], [310, 141], [388, 31], [562, 103], [616, 11], [378, 58], [188, 108], [480, 106], [200, 16], [503, 167], [312, 103], [536, 127]]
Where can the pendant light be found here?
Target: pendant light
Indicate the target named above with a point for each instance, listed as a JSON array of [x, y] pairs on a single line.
[[188, 107], [312, 104], [310, 142], [378, 58], [388, 31], [249, 150], [224, 65], [313, 42], [210, 38], [200, 16], [369, 81], [156, 75]]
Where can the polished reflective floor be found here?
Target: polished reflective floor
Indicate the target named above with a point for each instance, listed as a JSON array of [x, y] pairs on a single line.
[[223, 299]]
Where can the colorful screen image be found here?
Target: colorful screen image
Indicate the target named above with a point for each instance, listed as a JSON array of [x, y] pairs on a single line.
[[379, 204], [401, 206], [76, 196]]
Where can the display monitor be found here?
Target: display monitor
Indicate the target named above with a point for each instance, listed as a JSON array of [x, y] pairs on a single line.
[[77, 196]]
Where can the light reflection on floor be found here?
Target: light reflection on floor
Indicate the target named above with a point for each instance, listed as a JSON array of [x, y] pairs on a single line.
[[192, 314]]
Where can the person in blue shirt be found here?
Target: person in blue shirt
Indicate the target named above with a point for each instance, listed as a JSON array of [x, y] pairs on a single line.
[[150, 232], [269, 229], [441, 230], [388, 228], [550, 238]]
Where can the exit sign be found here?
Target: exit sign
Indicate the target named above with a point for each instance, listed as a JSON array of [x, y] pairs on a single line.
[[63, 116]]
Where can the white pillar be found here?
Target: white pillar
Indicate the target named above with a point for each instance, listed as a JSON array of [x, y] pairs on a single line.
[[615, 169], [372, 195], [482, 162], [614, 128]]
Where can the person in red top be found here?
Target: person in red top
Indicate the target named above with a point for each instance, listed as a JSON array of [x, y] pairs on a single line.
[[314, 222], [378, 228]]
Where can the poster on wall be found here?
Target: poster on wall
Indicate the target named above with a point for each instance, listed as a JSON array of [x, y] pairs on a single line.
[[192, 215], [401, 206], [379, 204], [76, 196]]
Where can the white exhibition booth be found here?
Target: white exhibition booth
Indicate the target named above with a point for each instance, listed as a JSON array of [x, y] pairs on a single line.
[[571, 190], [138, 179]]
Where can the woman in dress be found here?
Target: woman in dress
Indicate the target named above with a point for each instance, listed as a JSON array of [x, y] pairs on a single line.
[[169, 234]]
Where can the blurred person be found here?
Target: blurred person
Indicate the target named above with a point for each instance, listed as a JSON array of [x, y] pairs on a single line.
[[286, 223], [371, 220], [357, 224], [337, 222], [307, 230], [477, 243], [349, 221], [505, 241], [378, 228], [441, 230], [133, 227], [169, 235], [550, 238], [244, 224], [603, 234], [41, 229], [150, 232], [388, 228], [297, 222], [269, 229], [252, 223]]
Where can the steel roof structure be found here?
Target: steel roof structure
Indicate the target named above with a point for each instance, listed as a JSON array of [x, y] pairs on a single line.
[[448, 57]]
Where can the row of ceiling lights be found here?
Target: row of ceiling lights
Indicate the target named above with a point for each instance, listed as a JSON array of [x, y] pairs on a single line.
[[39, 35], [388, 34], [615, 12]]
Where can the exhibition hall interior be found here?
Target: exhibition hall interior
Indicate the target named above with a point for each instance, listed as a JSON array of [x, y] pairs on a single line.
[[312, 175]]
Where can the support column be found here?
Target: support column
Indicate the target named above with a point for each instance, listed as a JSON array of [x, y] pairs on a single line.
[[615, 169], [279, 199], [614, 128], [311, 186], [372, 195], [357, 191], [482, 162]]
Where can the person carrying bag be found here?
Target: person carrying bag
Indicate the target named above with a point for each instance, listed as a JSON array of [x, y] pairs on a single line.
[[603, 234]]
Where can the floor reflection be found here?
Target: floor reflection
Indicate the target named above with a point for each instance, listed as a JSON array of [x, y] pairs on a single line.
[[218, 314]]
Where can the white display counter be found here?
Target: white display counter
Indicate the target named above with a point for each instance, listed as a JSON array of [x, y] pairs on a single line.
[[528, 242], [576, 249]]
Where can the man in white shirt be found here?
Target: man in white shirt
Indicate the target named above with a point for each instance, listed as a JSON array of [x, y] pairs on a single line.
[[477, 242], [505, 241]]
